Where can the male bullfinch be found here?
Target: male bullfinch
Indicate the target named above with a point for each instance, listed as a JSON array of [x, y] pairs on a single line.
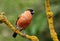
[[24, 20]]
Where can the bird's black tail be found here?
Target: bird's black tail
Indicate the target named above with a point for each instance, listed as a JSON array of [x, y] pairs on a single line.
[[14, 35]]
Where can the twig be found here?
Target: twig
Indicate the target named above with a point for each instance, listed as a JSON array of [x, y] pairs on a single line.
[[3, 19], [49, 14]]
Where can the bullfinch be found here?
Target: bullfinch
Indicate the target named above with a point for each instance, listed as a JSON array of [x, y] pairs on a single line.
[[24, 20]]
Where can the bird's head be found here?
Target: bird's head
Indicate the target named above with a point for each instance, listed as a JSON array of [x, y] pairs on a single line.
[[32, 11]]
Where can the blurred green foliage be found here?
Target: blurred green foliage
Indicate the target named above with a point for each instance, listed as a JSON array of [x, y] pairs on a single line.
[[39, 24]]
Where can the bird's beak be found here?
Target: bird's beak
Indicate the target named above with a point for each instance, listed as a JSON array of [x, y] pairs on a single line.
[[33, 12]]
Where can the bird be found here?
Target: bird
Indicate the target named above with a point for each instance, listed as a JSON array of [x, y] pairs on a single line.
[[24, 20]]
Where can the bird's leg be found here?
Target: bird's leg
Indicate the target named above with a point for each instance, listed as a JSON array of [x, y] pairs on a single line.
[[24, 32]]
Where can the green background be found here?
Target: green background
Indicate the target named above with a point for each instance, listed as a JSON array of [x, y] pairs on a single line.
[[39, 25]]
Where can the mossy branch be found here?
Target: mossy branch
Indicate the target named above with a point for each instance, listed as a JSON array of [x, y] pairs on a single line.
[[49, 14], [3, 19]]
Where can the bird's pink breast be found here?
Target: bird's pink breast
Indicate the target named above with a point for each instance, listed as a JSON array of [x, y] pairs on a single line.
[[24, 20]]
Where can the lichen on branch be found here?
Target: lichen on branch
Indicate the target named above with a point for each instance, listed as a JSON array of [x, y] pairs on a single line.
[[49, 14], [3, 19]]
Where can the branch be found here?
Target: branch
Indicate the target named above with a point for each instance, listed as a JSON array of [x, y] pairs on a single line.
[[49, 14], [3, 19]]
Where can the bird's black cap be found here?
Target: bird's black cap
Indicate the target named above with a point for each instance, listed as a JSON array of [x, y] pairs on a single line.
[[32, 11]]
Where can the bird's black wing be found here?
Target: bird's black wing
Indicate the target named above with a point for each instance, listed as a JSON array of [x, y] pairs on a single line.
[[17, 20]]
